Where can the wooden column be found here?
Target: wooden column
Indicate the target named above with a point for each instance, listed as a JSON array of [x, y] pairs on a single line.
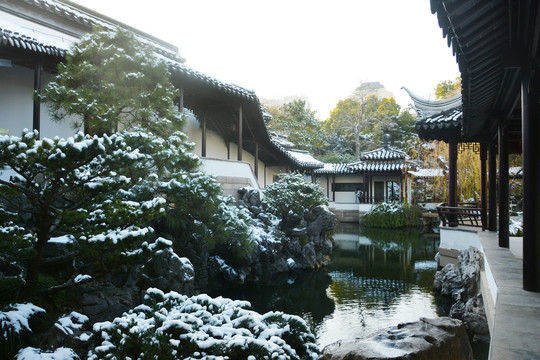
[[203, 142], [483, 183], [181, 102], [530, 113], [328, 186], [36, 122], [452, 173], [492, 179], [504, 217], [240, 133], [257, 160], [364, 188], [334, 187]]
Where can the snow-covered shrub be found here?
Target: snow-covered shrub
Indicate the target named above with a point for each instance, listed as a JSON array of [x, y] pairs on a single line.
[[17, 322], [292, 197], [392, 215], [515, 228], [174, 326], [62, 353]]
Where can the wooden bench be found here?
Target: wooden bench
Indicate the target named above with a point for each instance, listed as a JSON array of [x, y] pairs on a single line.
[[454, 215]]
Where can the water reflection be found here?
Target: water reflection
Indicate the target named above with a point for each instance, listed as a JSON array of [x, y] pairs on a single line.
[[378, 278], [381, 278]]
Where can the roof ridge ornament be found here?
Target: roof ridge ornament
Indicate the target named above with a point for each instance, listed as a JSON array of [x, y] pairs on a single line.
[[427, 107]]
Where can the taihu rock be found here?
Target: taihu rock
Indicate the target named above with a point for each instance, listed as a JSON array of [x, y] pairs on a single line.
[[427, 339]]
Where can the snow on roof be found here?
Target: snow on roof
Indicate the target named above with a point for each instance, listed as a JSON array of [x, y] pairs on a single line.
[[177, 67], [444, 120], [41, 33], [339, 168], [427, 173], [379, 166], [384, 153], [516, 171], [304, 158]]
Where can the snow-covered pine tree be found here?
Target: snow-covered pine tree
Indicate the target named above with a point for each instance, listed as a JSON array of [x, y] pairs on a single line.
[[83, 191], [111, 81]]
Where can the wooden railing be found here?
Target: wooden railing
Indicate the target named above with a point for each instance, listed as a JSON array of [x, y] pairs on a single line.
[[463, 215]]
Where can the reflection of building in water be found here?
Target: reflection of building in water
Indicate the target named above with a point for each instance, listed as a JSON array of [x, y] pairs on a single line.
[[346, 285], [400, 255]]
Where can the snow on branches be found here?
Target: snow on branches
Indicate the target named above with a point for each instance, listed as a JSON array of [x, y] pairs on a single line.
[[174, 326]]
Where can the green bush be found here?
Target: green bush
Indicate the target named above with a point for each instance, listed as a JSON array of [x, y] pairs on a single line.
[[392, 215], [292, 197]]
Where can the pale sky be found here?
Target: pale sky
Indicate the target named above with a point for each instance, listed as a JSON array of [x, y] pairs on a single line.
[[320, 50]]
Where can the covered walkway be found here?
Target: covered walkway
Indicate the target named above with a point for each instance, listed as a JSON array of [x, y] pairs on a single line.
[[512, 311]]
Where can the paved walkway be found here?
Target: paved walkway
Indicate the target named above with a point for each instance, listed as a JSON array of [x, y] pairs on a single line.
[[516, 327]]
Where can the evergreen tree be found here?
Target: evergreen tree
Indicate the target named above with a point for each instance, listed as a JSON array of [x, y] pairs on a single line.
[[81, 190], [298, 121], [109, 82]]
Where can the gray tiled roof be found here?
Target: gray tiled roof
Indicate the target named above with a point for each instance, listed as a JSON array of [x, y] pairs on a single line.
[[302, 160], [439, 119], [335, 169], [360, 167], [384, 153], [441, 126], [88, 18], [379, 166], [9, 38], [212, 82]]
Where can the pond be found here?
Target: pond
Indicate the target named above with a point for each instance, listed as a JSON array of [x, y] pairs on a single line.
[[377, 279]]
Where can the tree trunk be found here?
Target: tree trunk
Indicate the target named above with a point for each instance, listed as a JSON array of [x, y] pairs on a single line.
[[34, 263], [357, 143]]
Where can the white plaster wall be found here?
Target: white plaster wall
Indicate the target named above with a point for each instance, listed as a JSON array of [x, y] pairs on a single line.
[[215, 145], [459, 239], [226, 168], [16, 104], [217, 149], [345, 196]]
